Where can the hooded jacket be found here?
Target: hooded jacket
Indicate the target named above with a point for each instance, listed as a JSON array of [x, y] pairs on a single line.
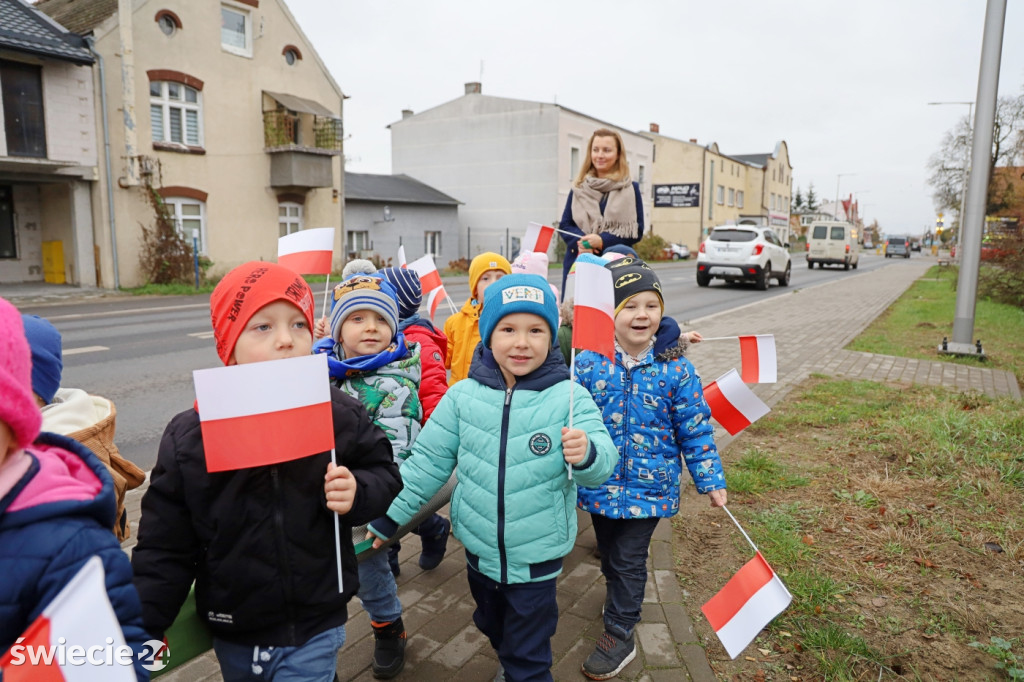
[[463, 332], [258, 542], [658, 418], [433, 349], [58, 514], [513, 505]]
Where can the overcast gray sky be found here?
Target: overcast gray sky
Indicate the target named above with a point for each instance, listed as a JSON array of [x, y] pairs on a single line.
[[845, 84]]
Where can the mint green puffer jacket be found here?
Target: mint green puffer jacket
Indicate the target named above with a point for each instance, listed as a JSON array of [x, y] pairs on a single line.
[[514, 507]]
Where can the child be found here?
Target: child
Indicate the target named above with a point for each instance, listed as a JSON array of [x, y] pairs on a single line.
[[506, 430], [259, 542], [654, 408], [369, 360], [56, 508], [462, 328], [89, 419]]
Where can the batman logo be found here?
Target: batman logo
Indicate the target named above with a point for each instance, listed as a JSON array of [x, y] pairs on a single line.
[[627, 279]]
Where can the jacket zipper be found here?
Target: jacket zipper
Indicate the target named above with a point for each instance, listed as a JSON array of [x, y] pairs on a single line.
[[503, 559], [283, 552], [625, 439]]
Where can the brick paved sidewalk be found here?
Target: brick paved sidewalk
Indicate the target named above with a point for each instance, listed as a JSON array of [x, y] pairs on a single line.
[[811, 327]]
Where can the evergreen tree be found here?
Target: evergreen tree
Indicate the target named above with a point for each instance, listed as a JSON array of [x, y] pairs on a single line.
[[798, 201], [812, 198]]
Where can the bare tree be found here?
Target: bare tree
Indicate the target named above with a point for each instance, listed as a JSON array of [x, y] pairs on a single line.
[[946, 166]]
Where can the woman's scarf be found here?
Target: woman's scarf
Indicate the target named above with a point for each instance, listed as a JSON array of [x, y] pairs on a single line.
[[619, 212], [340, 368]]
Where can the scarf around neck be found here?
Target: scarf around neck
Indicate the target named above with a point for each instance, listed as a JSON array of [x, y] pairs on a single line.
[[619, 216], [340, 367]]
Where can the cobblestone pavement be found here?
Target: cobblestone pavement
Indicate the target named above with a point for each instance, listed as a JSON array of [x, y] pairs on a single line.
[[811, 327]]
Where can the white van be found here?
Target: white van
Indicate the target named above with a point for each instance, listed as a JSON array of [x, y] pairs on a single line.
[[833, 243]]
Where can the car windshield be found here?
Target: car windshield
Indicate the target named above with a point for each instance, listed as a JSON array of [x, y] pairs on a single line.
[[732, 235]]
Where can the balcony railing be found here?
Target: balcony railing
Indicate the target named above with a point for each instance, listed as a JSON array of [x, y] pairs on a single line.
[[284, 131]]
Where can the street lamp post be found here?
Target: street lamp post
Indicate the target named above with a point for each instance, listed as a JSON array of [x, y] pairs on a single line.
[[967, 157], [835, 209]]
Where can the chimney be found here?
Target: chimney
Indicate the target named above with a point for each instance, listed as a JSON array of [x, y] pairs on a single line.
[[655, 128], [693, 140], [406, 113], [473, 88]]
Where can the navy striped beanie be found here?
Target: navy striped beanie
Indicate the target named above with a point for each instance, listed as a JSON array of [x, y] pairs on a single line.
[[407, 285], [364, 292]]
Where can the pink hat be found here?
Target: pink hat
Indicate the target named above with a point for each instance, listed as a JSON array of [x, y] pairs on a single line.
[[18, 408], [531, 263]]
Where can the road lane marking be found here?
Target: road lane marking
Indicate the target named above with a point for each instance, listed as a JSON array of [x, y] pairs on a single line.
[[202, 335], [130, 311], [83, 349]]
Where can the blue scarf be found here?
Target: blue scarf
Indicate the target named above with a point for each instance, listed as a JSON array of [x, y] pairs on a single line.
[[339, 367]]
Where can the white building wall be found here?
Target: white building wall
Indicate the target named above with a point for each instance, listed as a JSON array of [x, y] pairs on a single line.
[[69, 113]]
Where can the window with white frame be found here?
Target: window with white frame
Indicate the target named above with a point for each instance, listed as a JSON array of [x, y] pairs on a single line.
[[574, 162], [357, 240], [720, 194], [236, 30], [773, 201], [739, 199], [175, 113], [289, 218], [641, 175], [732, 196], [190, 219], [432, 243]]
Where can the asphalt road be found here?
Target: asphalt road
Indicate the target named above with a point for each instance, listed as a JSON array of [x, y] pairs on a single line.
[[140, 351]]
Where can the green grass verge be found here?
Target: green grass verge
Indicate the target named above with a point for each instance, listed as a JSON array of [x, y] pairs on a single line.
[[915, 324], [170, 289]]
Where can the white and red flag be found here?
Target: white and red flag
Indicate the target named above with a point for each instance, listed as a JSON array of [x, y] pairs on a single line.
[[264, 412], [307, 252], [749, 601], [402, 263], [537, 238], [732, 403], [759, 359], [76, 638], [430, 281], [593, 322]]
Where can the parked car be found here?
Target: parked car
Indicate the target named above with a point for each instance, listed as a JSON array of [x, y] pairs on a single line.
[[832, 242], [897, 246], [678, 251], [747, 253], [915, 245]]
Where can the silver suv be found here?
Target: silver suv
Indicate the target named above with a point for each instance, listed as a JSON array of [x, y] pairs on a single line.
[[747, 253], [897, 246]]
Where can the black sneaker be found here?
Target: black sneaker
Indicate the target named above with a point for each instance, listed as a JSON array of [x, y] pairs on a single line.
[[610, 656], [434, 546], [388, 649]]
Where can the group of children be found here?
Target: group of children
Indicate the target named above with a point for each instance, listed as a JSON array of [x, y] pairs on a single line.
[[528, 450]]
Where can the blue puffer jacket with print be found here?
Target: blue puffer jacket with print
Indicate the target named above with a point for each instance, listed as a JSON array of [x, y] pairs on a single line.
[[658, 419]]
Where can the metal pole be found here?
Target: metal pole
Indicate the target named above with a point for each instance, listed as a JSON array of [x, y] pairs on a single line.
[[508, 246], [981, 153], [469, 242], [967, 161]]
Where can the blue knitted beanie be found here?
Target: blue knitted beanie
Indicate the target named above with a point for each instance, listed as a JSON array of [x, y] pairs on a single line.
[[407, 284], [519, 293], [47, 364], [364, 292]]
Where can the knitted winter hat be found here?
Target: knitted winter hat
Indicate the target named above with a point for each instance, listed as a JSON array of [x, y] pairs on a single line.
[[531, 262], [517, 293], [364, 292], [18, 407], [358, 266], [621, 248], [632, 276], [245, 290], [44, 340], [481, 264], [407, 285]]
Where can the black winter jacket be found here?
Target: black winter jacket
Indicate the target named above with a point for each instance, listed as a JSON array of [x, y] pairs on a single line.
[[258, 542]]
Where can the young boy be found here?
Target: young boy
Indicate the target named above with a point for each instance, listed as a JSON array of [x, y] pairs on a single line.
[[506, 430], [462, 328], [654, 408], [56, 509], [369, 360], [259, 542]]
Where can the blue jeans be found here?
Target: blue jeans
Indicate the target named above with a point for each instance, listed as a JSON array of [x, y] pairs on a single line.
[[519, 620], [314, 661], [624, 545], [377, 589]]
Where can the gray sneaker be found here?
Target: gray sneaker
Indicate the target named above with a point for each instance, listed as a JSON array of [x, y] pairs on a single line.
[[610, 656]]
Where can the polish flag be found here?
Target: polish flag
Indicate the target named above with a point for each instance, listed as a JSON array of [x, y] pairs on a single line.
[[748, 602], [732, 403], [307, 252], [759, 359], [264, 412], [538, 238], [82, 616], [430, 278], [593, 322], [434, 299], [401, 256]]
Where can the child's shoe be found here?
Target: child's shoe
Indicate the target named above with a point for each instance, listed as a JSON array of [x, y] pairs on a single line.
[[393, 551], [388, 649], [610, 656], [434, 546]]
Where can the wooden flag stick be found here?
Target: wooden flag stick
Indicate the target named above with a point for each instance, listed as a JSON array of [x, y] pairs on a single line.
[[745, 536], [720, 338], [337, 533], [327, 288], [572, 385]]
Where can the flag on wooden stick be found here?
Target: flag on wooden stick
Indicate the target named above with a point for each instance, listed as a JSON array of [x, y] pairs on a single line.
[[537, 238], [732, 403], [758, 356], [593, 322], [307, 252]]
